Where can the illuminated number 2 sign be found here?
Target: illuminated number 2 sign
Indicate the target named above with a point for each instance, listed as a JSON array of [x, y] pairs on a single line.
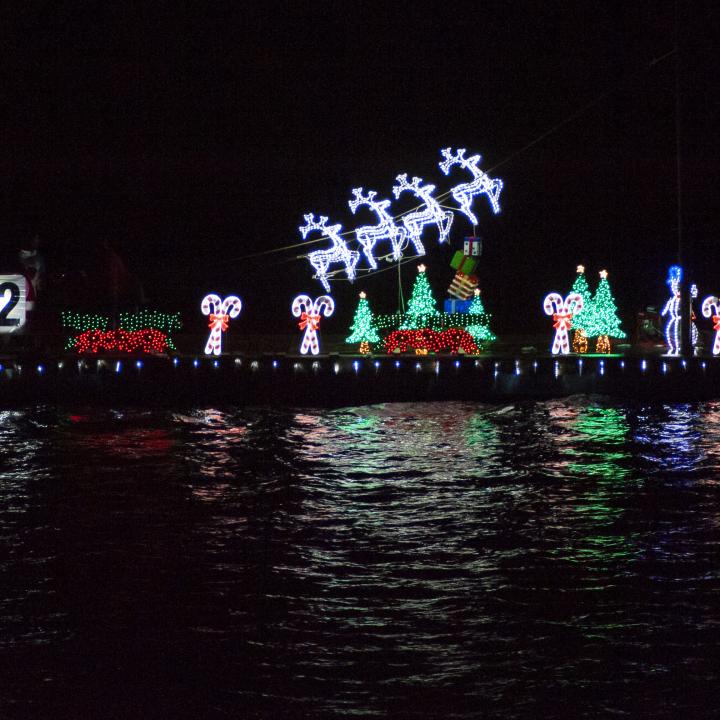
[[12, 302]]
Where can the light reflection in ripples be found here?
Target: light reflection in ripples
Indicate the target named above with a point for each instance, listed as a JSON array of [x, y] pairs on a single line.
[[413, 560]]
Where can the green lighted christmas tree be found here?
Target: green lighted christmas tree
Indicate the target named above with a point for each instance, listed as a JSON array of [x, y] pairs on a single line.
[[422, 303], [582, 319], [605, 323], [363, 330], [479, 332]]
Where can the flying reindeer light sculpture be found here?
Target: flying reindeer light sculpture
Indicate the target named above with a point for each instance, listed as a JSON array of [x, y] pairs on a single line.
[[414, 222], [220, 312], [480, 185], [562, 312], [338, 252], [386, 229], [711, 309], [310, 312]]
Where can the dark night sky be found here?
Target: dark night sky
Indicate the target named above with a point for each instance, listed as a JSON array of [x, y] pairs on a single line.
[[193, 138]]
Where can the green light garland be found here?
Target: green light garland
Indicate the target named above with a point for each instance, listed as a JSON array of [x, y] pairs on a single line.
[[131, 322], [83, 321], [146, 319]]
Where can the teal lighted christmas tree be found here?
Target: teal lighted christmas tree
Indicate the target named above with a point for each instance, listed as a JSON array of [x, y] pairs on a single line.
[[604, 323], [480, 332], [582, 319], [363, 330], [422, 303]]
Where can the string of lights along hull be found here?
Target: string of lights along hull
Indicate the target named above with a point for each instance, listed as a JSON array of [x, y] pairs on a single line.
[[562, 311], [397, 235], [147, 331], [310, 312], [220, 313]]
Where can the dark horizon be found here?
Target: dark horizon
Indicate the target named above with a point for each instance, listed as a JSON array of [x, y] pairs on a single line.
[[192, 140]]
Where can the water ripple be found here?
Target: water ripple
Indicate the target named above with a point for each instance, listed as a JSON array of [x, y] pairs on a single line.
[[453, 560]]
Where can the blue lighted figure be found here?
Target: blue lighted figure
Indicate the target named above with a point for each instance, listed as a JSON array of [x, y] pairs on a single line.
[[672, 310]]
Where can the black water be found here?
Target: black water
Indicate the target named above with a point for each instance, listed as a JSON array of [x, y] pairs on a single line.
[[539, 560]]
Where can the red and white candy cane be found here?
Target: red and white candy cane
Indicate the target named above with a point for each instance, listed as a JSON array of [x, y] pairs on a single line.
[[309, 312], [711, 308], [562, 312], [220, 312]]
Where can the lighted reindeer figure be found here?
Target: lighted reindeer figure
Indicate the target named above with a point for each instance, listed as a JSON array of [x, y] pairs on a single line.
[[386, 229], [338, 252], [310, 312], [480, 185], [711, 309], [220, 312], [414, 222], [562, 312]]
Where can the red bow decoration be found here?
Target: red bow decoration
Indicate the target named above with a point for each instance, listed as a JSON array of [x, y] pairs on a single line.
[[218, 321], [562, 321], [716, 322], [311, 321]]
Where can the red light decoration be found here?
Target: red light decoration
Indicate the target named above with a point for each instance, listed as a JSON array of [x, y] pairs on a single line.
[[451, 340], [147, 340]]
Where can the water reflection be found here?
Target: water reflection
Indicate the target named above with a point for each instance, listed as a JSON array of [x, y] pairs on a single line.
[[669, 437], [424, 560]]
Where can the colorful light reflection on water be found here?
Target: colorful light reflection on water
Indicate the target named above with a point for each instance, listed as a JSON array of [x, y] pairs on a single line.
[[450, 560]]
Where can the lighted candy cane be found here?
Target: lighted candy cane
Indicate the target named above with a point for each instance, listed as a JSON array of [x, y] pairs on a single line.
[[562, 312], [220, 312], [309, 313], [711, 308]]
